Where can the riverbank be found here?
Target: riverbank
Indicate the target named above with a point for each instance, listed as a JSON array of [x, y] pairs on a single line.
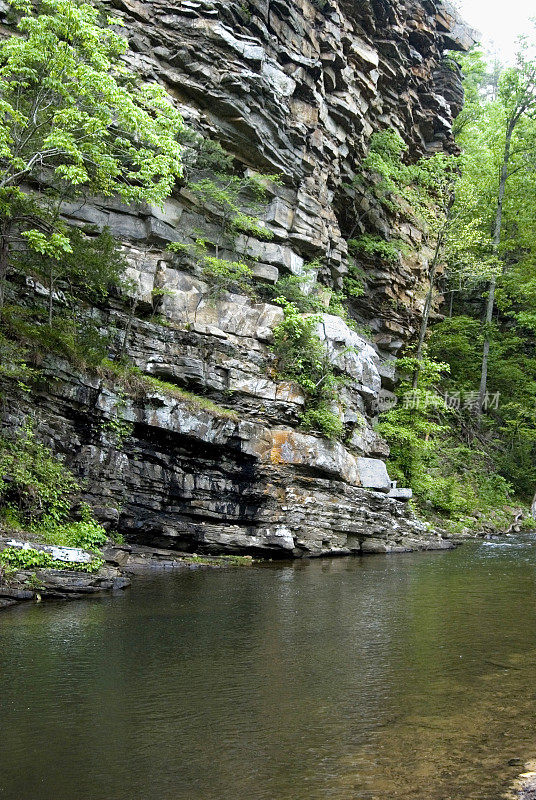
[[120, 561], [501, 520], [524, 787]]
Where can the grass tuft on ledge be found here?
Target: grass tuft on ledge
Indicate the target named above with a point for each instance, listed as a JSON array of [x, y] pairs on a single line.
[[137, 384]]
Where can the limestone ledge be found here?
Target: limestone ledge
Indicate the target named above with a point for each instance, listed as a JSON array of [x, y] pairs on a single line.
[[190, 480], [220, 347]]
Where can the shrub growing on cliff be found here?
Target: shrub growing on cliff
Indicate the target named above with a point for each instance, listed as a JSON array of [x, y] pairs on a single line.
[[418, 184], [301, 290], [76, 122], [38, 492], [376, 246], [221, 274], [303, 358], [32, 482], [89, 271], [300, 353], [322, 418], [233, 199]]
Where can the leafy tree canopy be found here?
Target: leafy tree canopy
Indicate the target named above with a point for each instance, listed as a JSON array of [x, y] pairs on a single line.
[[74, 120]]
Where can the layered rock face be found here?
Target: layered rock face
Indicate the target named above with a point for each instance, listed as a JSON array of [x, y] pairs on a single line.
[[196, 480], [297, 88], [294, 88]]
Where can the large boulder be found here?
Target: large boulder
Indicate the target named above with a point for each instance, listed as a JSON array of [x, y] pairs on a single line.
[[373, 474]]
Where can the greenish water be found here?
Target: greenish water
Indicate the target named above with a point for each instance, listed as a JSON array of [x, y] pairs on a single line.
[[406, 677]]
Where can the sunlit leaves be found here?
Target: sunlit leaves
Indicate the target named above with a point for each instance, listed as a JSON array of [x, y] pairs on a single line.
[[69, 112]]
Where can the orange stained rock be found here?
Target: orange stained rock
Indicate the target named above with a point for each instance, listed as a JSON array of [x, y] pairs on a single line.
[[279, 439]]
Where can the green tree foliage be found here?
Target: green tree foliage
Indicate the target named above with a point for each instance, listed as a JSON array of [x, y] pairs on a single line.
[[76, 122], [82, 279], [302, 357], [491, 261], [424, 192], [499, 138], [232, 202], [450, 478], [412, 426], [370, 245], [232, 196], [91, 268], [38, 493], [421, 186]]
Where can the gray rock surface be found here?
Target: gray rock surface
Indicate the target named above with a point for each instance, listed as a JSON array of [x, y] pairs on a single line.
[[401, 494], [373, 474], [524, 788], [51, 584], [71, 555], [191, 480]]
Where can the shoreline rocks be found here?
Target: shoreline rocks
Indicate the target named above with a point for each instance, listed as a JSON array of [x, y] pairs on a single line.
[[59, 584], [524, 787], [122, 560]]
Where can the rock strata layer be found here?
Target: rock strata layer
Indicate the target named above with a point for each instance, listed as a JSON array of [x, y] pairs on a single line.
[[189, 479]]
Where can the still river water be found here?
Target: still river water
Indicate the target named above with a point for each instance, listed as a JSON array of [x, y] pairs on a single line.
[[409, 677]]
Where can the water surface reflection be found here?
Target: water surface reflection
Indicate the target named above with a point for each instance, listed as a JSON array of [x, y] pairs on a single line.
[[404, 677]]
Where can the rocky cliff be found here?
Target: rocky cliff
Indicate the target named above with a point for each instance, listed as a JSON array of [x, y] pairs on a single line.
[[293, 88]]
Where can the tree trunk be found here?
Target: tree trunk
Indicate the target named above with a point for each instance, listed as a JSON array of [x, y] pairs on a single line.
[[485, 351], [427, 309], [430, 295], [124, 346], [4, 259], [50, 294], [533, 507], [497, 227]]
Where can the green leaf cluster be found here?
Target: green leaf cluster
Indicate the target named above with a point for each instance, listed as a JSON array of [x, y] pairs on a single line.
[[71, 107], [74, 122], [370, 245], [233, 198], [29, 558], [302, 357], [423, 185], [222, 275], [448, 477], [38, 493]]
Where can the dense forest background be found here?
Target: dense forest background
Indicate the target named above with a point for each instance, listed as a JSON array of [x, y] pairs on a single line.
[[468, 446]]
